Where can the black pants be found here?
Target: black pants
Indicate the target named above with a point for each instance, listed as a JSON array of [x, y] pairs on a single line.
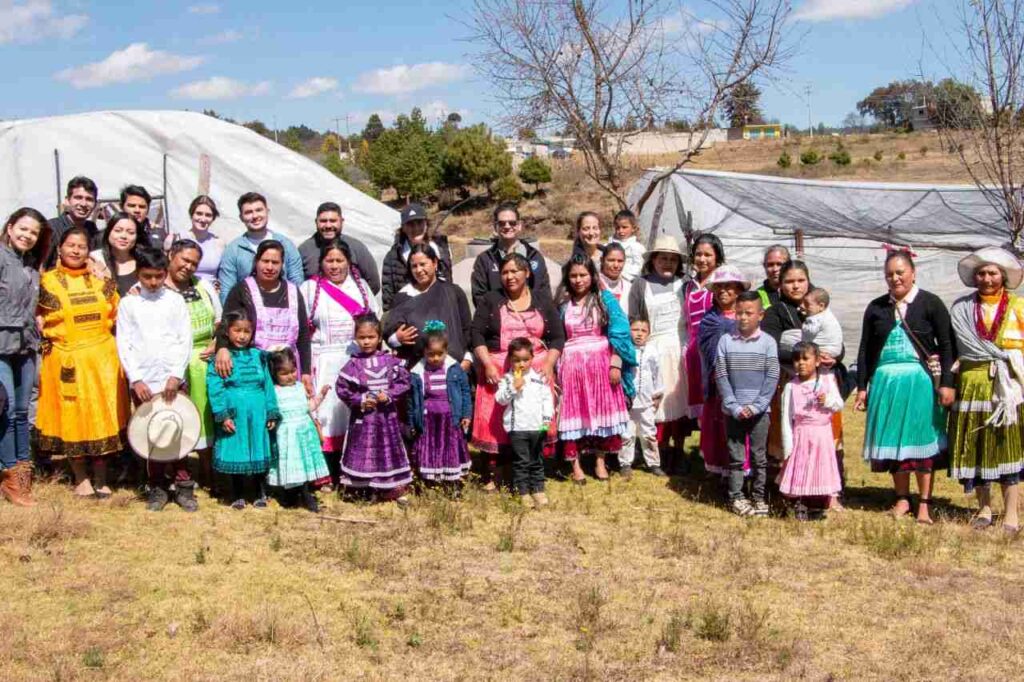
[[738, 433], [527, 461]]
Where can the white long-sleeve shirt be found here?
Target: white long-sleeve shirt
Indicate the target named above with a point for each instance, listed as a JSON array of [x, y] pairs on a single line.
[[648, 377], [833, 403], [635, 252], [529, 408], [154, 337]]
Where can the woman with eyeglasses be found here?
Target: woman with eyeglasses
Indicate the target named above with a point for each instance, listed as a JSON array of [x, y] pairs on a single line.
[[487, 269]]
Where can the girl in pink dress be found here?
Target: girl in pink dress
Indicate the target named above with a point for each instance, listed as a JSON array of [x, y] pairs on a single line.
[[808, 401], [706, 254], [596, 368]]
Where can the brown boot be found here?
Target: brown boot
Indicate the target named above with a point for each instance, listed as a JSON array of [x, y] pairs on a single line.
[[16, 485], [24, 470]]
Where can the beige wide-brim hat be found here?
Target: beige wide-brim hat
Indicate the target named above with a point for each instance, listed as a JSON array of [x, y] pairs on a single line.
[[727, 274], [991, 255], [664, 244], [162, 431]]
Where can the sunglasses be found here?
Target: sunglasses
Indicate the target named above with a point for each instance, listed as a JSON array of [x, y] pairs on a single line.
[[506, 223]]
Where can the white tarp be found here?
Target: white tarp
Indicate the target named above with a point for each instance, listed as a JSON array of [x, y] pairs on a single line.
[[844, 227], [116, 148]]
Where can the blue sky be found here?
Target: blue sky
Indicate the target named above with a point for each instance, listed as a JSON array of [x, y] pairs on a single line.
[[314, 61]]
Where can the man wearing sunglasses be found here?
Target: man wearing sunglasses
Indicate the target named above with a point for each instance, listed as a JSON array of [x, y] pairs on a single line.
[[487, 268]]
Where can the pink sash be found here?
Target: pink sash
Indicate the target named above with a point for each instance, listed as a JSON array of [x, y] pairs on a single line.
[[352, 306]]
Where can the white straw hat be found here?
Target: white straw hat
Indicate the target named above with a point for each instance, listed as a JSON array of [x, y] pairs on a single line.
[[162, 431], [665, 244], [991, 255]]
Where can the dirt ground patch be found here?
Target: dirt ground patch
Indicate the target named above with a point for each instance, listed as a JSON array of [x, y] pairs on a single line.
[[639, 580]]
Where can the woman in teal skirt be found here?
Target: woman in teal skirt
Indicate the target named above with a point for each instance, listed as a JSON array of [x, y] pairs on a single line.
[[905, 381]]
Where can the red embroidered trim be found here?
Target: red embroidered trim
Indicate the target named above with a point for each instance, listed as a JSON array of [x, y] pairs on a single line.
[[990, 333]]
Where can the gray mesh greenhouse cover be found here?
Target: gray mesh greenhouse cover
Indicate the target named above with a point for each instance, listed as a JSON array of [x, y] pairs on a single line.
[[842, 227]]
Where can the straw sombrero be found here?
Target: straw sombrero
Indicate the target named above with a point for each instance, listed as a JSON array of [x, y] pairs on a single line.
[[991, 255], [162, 431], [665, 244]]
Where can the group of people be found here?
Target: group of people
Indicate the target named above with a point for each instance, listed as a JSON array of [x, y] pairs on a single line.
[[311, 368]]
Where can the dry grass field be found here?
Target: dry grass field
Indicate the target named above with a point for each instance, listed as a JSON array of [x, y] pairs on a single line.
[[639, 580]]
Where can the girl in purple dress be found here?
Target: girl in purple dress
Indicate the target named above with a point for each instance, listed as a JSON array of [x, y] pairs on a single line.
[[440, 410], [371, 383]]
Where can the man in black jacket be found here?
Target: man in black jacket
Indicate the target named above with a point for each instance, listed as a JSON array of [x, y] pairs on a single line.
[[487, 268], [329, 224], [79, 203]]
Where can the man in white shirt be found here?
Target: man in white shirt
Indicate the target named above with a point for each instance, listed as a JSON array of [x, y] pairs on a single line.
[[154, 343]]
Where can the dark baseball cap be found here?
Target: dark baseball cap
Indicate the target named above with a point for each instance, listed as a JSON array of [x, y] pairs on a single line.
[[413, 212]]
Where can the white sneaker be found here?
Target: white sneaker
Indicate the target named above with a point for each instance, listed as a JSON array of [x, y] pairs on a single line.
[[741, 507], [760, 508]]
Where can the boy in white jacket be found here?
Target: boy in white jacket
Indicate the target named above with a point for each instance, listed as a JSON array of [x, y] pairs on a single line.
[[529, 409], [626, 231], [154, 344], [649, 392]]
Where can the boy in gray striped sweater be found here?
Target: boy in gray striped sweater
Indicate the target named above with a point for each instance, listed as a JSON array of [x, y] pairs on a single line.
[[746, 373]]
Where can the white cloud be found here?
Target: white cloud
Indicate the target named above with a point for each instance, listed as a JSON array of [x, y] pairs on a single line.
[[204, 9], [403, 79], [134, 63], [222, 38], [34, 20], [313, 87], [220, 88], [826, 10]]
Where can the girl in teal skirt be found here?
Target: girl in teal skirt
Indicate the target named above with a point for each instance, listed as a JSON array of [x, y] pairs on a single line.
[[297, 461], [906, 344], [244, 410]]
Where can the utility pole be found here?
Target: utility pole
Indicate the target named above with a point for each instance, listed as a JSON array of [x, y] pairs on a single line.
[[810, 126], [337, 131]]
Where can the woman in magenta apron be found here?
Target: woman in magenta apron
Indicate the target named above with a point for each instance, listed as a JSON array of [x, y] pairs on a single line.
[[276, 306], [334, 297], [500, 317]]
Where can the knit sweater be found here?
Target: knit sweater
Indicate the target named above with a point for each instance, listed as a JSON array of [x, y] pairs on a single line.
[[746, 372]]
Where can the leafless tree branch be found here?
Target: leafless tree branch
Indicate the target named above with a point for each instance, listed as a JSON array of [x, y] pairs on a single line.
[[584, 66]]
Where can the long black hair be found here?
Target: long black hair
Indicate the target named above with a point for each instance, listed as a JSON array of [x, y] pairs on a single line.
[[716, 245], [42, 247], [592, 300], [425, 249], [521, 262], [237, 315], [269, 245], [141, 240]]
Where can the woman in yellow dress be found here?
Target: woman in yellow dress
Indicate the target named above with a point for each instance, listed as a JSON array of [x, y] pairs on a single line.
[[83, 398]]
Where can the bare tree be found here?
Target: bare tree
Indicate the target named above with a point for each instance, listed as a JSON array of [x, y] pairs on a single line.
[[584, 67], [986, 131]]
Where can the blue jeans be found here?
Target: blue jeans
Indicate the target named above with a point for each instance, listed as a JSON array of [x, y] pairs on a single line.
[[18, 376]]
